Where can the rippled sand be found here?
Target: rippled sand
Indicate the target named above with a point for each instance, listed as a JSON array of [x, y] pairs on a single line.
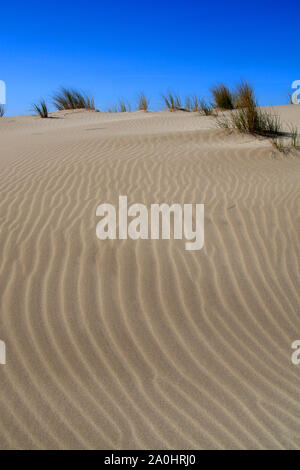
[[141, 344]]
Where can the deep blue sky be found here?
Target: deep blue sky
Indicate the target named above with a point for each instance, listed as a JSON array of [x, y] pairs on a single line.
[[116, 48]]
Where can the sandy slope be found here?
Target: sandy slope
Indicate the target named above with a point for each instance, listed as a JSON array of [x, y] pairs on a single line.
[[124, 344]]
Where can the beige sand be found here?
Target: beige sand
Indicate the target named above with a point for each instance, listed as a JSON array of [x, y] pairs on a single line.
[[128, 345]]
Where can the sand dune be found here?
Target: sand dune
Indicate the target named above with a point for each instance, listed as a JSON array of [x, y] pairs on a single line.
[[140, 344]]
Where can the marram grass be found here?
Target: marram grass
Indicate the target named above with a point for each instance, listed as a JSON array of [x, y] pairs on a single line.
[[41, 108], [69, 98]]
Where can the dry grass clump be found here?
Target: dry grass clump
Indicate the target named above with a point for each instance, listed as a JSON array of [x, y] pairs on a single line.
[[196, 104], [279, 144], [206, 108], [2, 110], [124, 106], [112, 109], [188, 103], [294, 135], [172, 102], [69, 98], [143, 102], [248, 117], [244, 96], [192, 103], [41, 108], [282, 144], [252, 121], [255, 121], [223, 98]]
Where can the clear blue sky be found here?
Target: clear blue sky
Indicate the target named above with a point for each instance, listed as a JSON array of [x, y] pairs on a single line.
[[116, 48]]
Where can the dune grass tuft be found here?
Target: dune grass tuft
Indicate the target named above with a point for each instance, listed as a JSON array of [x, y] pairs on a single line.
[[112, 109], [143, 102], [244, 96], [188, 103], [294, 135], [41, 108], [192, 103], [2, 110], [195, 104], [223, 98], [172, 101], [124, 106], [252, 120], [69, 98], [206, 108], [278, 144], [248, 117], [281, 141]]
